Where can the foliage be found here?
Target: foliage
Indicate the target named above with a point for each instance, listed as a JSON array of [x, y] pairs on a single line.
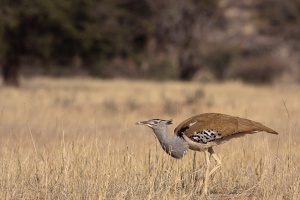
[[139, 38], [57, 31]]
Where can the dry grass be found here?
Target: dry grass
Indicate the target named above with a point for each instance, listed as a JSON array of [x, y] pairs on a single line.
[[76, 139]]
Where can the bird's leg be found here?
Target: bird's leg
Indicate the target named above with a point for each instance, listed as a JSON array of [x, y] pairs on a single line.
[[207, 160], [217, 159], [208, 153]]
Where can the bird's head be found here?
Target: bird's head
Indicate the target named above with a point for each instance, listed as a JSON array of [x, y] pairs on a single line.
[[155, 123]]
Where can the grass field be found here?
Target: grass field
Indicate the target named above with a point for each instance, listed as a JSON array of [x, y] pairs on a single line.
[[76, 139]]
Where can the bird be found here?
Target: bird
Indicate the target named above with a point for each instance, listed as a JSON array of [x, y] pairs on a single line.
[[201, 133]]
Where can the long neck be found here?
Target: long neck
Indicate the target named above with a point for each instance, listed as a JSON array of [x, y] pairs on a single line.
[[172, 145]]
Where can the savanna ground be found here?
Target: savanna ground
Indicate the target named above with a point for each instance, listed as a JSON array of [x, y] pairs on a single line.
[[76, 139]]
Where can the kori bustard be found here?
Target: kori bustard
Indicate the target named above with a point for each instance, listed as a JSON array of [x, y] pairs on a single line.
[[200, 133]]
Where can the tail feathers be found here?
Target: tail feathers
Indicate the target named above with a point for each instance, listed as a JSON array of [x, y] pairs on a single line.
[[270, 131], [248, 126], [261, 127]]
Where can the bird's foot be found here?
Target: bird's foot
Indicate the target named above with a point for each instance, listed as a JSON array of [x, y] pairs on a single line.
[[203, 194], [202, 189]]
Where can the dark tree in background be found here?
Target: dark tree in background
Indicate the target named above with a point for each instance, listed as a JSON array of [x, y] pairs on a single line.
[[12, 45], [170, 39], [52, 33], [11, 64], [55, 34]]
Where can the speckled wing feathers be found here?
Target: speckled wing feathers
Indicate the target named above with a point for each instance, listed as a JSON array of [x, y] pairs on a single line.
[[222, 124]]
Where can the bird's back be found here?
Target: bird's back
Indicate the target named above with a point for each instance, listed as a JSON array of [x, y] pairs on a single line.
[[223, 125]]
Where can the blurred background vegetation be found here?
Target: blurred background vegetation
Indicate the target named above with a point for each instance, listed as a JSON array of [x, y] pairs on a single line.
[[255, 41]]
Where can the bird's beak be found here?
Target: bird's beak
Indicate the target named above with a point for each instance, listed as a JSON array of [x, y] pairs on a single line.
[[141, 123]]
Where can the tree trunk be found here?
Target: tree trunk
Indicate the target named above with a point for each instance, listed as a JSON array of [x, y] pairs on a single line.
[[10, 71], [187, 68]]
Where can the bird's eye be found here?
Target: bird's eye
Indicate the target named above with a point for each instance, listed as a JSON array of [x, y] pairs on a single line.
[[155, 122]]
